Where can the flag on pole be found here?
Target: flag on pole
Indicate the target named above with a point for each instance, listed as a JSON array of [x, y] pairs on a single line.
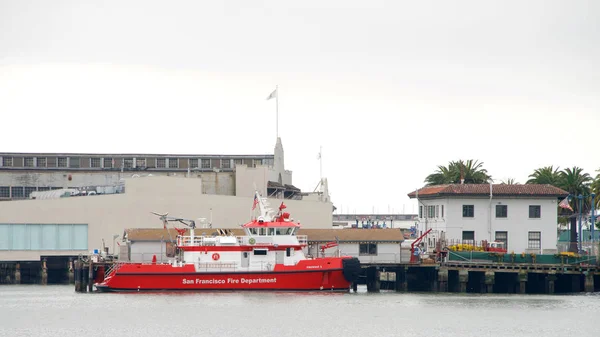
[[565, 204], [255, 202], [272, 95]]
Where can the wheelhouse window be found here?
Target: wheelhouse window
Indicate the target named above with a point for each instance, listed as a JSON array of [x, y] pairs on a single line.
[[468, 211], [501, 211], [535, 211], [260, 252], [366, 249]]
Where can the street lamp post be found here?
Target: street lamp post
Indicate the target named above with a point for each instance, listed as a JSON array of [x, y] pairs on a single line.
[[580, 197], [593, 218]]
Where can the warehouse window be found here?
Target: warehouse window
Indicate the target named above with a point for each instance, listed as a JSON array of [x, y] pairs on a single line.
[[7, 161], [74, 162], [193, 163], [95, 162], [225, 163], [4, 191], [62, 161], [161, 163], [41, 161], [173, 163], [366, 249], [108, 162], [29, 162], [140, 162], [205, 163]]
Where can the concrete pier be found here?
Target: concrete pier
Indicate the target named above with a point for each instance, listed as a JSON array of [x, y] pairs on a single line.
[[470, 277]]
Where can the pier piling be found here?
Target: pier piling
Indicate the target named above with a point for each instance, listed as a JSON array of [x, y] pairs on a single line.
[[442, 280], [71, 274], [589, 282], [490, 279], [463, 279], [373, 280], [44, 272], [523, 276], [91, 277], [18, 273]]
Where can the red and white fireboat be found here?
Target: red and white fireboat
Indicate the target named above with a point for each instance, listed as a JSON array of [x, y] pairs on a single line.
[[269, 257]]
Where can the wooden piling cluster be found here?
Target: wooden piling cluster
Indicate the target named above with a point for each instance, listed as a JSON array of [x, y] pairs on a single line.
[[482, 278], [86, 272]]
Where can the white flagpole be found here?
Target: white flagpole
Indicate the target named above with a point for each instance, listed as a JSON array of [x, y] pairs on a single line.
[[277, 110], [321, 162]]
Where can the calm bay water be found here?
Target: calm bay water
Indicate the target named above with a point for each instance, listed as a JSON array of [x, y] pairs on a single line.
[[59, 311]]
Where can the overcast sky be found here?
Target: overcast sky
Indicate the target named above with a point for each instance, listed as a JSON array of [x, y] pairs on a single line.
[[390, 89]]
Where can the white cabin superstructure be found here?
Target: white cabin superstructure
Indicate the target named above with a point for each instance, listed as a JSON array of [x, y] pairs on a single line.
[[270, 239]]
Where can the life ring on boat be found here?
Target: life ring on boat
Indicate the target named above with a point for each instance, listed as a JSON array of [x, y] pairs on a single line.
[[252, 241], [216, 256]]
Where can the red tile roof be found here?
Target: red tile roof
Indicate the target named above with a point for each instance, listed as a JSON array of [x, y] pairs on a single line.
[[528, 190]]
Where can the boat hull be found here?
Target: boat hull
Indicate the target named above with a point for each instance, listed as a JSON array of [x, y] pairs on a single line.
[[157, 277]]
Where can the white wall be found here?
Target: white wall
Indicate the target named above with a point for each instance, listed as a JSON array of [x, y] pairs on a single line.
[[386, 252], [517, 223]]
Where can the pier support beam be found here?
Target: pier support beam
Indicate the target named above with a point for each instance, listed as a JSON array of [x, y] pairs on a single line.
[[490, 279], [523, 275], [463, 279], [442, 280], [589, 282], [18, 273], [44, 272]]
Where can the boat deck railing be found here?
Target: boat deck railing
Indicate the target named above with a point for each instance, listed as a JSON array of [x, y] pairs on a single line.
[[188, 241]]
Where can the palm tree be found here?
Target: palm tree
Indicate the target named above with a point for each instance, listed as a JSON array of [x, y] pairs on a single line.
[[574, 181], [510, 181], [470, 171], [545, 175], [595, 187]]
